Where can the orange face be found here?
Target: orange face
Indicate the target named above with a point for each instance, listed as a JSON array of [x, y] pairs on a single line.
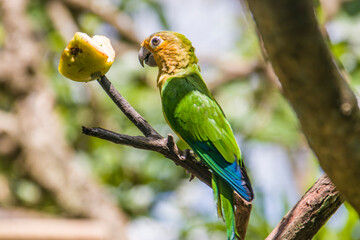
[[167, 50], [159, 46]]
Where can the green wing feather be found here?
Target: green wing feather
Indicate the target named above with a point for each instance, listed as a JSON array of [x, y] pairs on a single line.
[[192, 112], [200, 118]]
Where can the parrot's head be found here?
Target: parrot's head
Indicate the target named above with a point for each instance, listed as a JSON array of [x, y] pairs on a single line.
[[170, 51]]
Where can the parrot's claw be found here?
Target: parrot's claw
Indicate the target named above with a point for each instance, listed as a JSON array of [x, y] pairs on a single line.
[[191, 177], [188, 153]]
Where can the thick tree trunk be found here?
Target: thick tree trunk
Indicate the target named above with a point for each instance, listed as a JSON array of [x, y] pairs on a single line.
[[324, 103]]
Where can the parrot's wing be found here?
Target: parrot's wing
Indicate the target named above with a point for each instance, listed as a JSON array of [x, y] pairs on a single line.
[[202, 120], [199, 120]]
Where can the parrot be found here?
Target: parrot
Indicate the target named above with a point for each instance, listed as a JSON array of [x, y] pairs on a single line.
[[196, 117]]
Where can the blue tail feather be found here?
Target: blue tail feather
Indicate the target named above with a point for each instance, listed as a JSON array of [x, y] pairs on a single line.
[[231, 173]]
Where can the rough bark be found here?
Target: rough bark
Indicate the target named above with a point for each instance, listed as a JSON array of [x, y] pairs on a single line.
[[305, 219], [324, 103], [165, 146]]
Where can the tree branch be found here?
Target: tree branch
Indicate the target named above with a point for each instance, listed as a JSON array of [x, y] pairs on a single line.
[[127, 109], [155, 142], [324, 103], [161, 145], [305, 219]]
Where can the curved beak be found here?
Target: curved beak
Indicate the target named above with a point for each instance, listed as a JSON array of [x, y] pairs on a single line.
[[146, 56]]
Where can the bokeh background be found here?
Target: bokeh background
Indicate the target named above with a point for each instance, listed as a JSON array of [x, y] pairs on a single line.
[[54, 179]]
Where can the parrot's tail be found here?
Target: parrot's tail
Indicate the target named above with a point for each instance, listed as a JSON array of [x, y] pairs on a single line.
[[224, 199]]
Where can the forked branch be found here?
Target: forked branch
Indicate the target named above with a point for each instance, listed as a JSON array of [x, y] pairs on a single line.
[[310, 213]]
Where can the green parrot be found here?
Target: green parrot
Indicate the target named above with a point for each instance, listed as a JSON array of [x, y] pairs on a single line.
[[195, 116]]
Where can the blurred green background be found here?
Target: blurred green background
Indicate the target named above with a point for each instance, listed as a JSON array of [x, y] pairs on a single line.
[[151, 192]]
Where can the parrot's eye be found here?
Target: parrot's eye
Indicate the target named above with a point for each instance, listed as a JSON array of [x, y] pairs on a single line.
[[155, 41]]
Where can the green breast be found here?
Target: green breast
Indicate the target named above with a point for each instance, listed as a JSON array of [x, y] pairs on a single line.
[[176, 94], [172, 94]]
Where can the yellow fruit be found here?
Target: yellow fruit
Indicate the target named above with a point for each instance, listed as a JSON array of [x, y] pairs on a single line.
[[86, 58]]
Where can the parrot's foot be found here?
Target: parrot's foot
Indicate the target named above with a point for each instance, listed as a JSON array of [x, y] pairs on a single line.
[[187, 154], [191, 177]]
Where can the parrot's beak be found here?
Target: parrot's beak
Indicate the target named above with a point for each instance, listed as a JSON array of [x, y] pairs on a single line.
[[146, 56]]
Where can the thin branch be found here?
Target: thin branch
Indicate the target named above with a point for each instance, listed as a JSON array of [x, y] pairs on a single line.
[[305, 219], [155, 142], [161, 145], [127, 109]]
